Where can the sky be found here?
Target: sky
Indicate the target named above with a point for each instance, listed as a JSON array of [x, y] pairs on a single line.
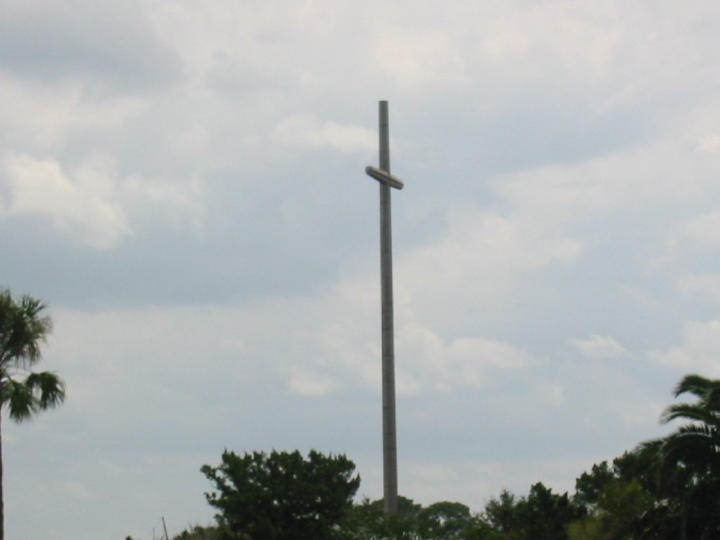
[[183, 184]]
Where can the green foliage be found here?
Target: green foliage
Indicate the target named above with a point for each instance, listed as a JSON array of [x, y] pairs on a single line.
[[364, 520], [481, 530], [22, 331], [695, 445], [642, 464], [200, 533], [588, 486], [624, 503], [441, 520], [619, 509], [501, 513], [444, 520], [542, 515], [368, 520], [589, 528], [281, 495]]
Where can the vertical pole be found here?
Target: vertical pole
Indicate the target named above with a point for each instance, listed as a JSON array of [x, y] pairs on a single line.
[[390, 488]]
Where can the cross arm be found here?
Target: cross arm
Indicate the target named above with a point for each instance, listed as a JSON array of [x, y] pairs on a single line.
[[384, 177]]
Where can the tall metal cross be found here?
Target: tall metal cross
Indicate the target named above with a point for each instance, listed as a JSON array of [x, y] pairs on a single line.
[[382, 175]]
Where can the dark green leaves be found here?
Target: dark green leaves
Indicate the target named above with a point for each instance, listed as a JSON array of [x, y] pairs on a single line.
[[19, 399], [38, 392], [281, 495], [47, 389], [22, 331]]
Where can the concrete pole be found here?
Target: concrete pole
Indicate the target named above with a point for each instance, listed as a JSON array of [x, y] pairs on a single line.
[[390, 487]]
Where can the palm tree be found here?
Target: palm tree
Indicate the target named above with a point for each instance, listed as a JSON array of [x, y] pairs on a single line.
[[693, 452], [696, 444], [23, 393]]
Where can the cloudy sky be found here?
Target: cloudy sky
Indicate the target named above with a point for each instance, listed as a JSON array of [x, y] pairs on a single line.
[[183, 184]]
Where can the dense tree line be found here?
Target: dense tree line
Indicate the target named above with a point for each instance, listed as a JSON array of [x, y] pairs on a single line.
[[663, 489]]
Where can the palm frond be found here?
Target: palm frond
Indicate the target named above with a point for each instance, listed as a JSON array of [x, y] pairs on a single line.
[[712, 399], [693, 451], [19, 399], [688, 411], [694, 384], [695, 446], [47, 387], [22, 330]]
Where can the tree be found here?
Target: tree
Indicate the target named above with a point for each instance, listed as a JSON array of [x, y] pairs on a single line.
[[664, 488], [281, 495], [693, 453], [23, 329], [502, 513], [588, 486], [542, 515], [199, 533], [444, 520], [368, 520], [696, 444], [616, 512]]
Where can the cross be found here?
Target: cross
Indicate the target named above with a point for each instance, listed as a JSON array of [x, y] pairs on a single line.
[[387, 181]]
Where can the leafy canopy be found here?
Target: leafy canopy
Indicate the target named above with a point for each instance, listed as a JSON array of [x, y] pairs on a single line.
[[281, 495]]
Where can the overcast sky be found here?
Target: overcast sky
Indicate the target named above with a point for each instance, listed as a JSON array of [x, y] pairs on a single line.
[[183, 184]]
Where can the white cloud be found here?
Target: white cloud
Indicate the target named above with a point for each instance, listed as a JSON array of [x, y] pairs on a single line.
[[90, 203], [599, 347], [419, 56], [307, 131], [481, 260], [47, 116], [178, 200], [705, 286], [699, 351], [319, 353], [709, 144], [628, 179], [552, 394], [436, 364], [84, 205], [309, 383], [702, 231], [568, 41]]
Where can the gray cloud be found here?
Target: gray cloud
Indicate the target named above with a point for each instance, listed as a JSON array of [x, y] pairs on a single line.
[[108, 48]]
